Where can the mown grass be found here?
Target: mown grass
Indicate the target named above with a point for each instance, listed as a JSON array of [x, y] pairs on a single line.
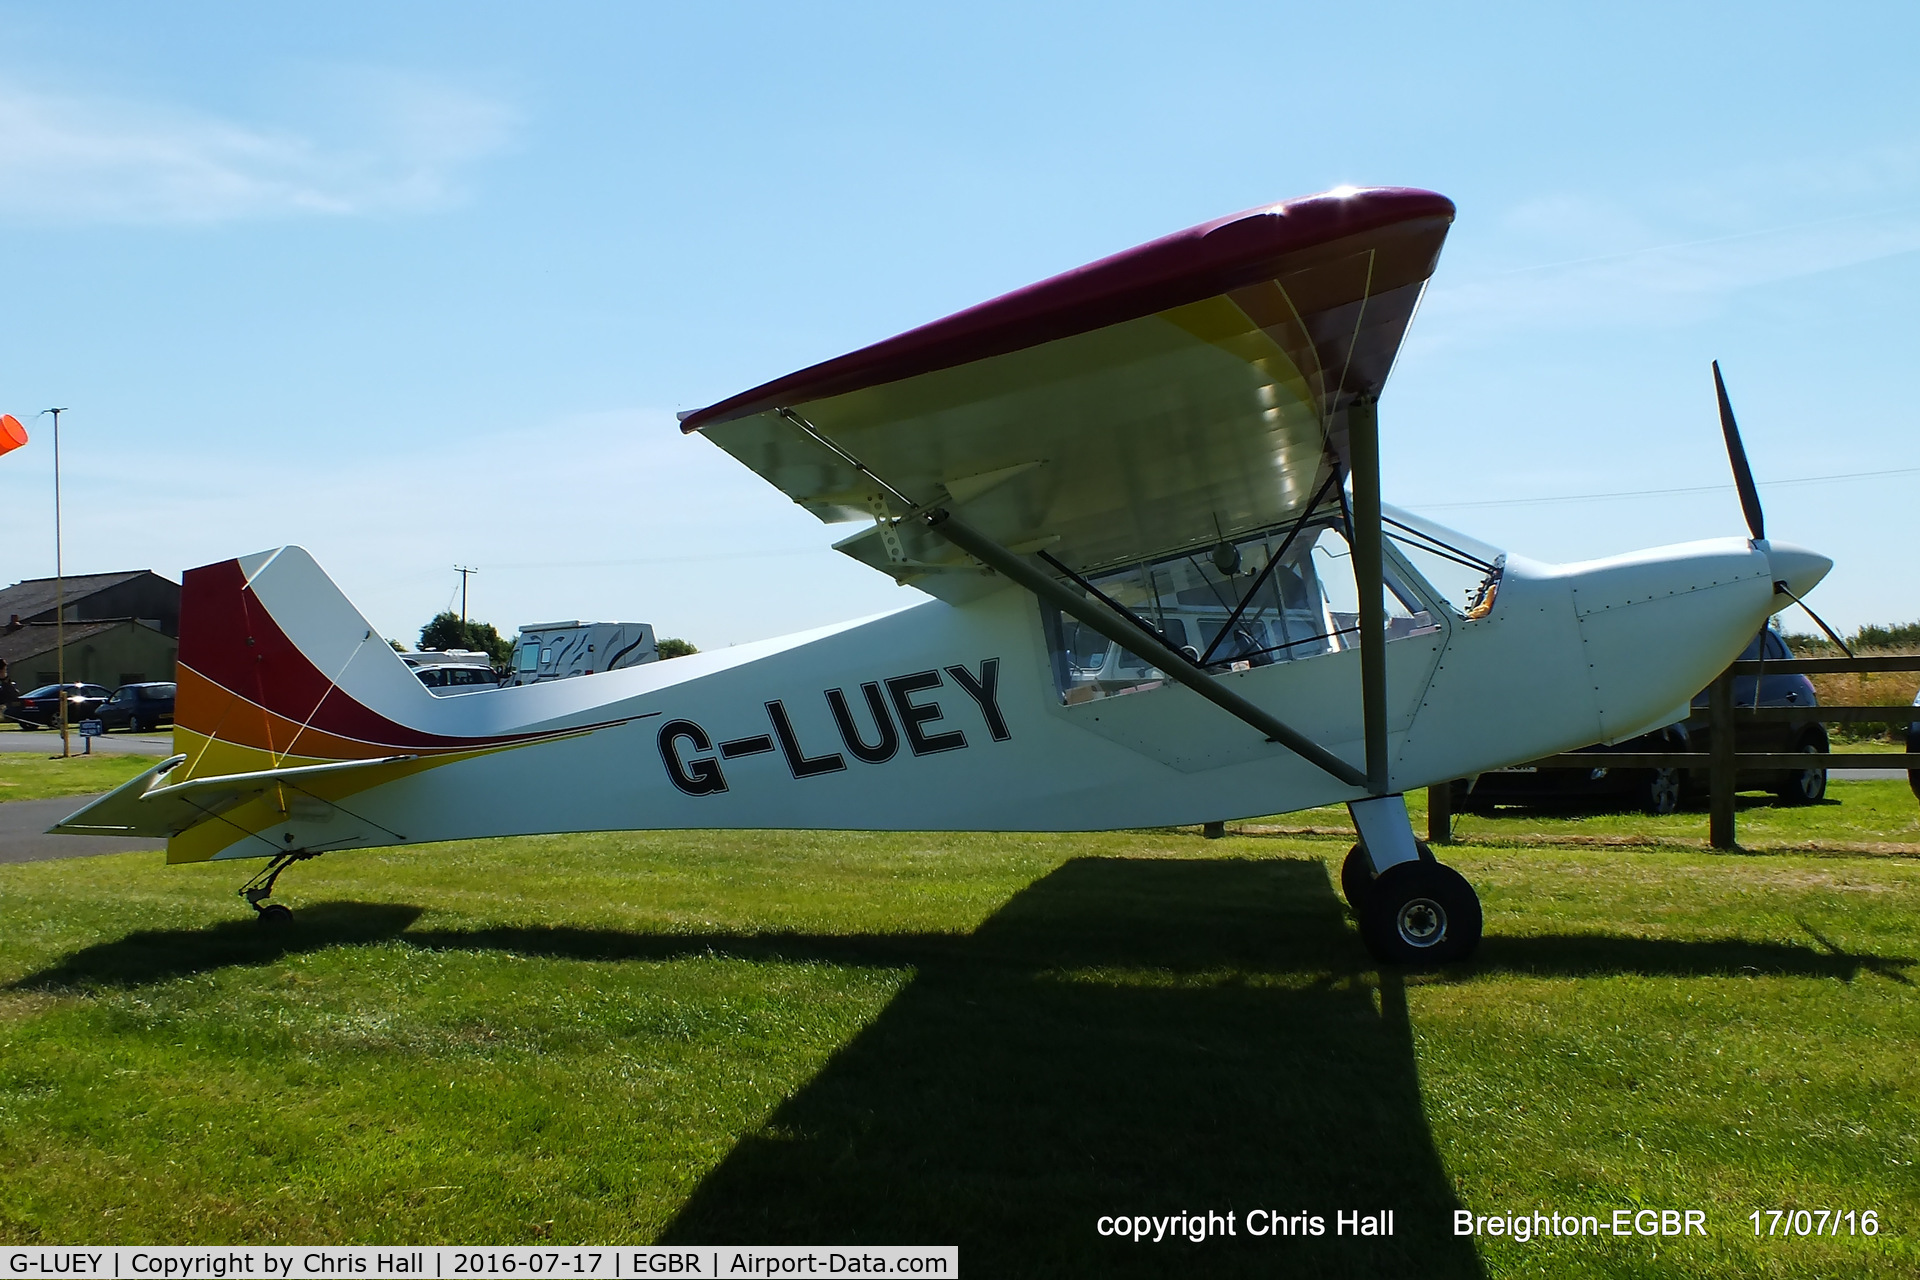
[[1856, 817], [26, 775], [988, 1040]]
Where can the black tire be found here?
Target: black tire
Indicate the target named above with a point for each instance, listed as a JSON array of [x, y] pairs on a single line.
[[275, 914], [1660, 792], [1805, 786], [1356, 874], [133, 724], [1420, 914], [1356, 879]]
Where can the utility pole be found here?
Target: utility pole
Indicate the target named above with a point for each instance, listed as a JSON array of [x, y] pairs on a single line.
[[459, 569], [59, 589]]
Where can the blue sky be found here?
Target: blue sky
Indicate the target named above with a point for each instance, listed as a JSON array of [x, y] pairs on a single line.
[[423, 285]]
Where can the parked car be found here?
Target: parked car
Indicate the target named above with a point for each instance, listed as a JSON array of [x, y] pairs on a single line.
[[40, 709], [1797, 735], [137, 707], [1664, 790], [1657, 791]]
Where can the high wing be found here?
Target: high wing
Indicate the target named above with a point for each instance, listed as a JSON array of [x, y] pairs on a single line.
[[1192, 389]]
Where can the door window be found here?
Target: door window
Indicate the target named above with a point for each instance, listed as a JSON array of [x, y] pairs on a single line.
[[1280, 596]]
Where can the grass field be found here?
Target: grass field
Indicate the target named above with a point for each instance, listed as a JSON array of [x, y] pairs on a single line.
[[30, 776], [984, 1040]]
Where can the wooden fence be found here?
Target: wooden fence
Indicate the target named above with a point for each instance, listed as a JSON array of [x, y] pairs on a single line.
[[1723, 760]]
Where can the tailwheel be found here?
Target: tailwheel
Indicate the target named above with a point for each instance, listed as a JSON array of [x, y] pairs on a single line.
[[1356, 874], [1356, 878], [1419, 914], [257, 890]]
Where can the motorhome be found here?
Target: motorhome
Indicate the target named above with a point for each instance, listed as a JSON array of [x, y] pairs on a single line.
[[559, 650]]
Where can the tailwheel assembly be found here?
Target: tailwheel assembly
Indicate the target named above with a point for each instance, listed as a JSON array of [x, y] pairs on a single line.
[[257, 890]]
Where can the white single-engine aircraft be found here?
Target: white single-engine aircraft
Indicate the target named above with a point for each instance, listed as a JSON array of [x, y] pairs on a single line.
[[1144, 496]]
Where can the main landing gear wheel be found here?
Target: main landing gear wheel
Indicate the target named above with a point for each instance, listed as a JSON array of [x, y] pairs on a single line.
[[1419, 914], [1356, 874]]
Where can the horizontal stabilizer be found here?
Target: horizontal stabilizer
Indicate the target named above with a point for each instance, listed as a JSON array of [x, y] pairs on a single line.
[[148, 806]]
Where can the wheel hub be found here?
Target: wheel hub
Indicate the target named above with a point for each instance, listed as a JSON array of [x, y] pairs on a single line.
[[1421, 922]]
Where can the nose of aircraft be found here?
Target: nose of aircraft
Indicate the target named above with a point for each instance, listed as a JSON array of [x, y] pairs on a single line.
[[1798, 567]]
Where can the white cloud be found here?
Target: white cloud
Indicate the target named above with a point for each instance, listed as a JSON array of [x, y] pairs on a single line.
[[98, 159]]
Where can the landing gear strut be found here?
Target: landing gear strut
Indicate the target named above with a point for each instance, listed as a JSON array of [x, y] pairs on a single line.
[[257, 890], [1416, 911]]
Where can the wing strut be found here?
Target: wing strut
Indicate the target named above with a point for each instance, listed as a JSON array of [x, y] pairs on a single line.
[[1121, 632], [1369, 578]]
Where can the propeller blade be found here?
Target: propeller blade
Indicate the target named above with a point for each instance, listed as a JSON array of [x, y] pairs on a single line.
[[1737, 455]]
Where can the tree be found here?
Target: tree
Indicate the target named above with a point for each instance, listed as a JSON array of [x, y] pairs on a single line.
[[675, 648], [446, 631]]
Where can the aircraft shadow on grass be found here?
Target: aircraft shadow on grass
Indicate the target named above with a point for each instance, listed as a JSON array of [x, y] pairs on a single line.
[[1123, 1036], [153, 956]]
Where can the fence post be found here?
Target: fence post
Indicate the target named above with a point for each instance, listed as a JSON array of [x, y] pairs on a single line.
[[1440, 813], [1722, 771]]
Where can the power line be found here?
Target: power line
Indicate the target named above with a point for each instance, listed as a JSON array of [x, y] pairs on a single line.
[[1658, 493]]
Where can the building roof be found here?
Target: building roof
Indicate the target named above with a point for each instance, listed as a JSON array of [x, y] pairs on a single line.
[[38, 595], [35, 638]]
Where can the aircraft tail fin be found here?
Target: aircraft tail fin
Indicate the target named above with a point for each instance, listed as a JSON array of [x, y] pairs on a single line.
[[282, 683]]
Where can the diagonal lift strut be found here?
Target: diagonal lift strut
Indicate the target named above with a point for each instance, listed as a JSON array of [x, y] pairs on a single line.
[[1124, 633]]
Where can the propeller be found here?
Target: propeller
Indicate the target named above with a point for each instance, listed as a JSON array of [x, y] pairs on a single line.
[[1782, 557], [1737, 455]]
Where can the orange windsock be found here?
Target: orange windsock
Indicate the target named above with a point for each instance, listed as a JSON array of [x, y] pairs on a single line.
[[12, 434]]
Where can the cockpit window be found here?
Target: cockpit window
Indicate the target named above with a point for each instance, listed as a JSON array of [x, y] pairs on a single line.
[[1464, 572], [1281, 596]]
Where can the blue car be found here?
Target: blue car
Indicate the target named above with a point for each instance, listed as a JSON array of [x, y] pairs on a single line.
[[137, 707], [1808, 735]]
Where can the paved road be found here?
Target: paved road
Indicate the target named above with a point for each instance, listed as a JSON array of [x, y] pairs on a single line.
[[24, 838], [47, 743]]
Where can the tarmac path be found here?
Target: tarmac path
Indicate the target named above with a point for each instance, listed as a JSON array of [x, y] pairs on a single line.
[[47, 743], [24, 838]]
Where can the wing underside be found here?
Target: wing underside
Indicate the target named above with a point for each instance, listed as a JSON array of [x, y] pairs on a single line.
[[1188, 391]]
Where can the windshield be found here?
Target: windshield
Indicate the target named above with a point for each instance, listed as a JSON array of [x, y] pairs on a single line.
[[1463, 571]]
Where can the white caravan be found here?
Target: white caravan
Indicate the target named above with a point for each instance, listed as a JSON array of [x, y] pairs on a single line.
[[561, 650]]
